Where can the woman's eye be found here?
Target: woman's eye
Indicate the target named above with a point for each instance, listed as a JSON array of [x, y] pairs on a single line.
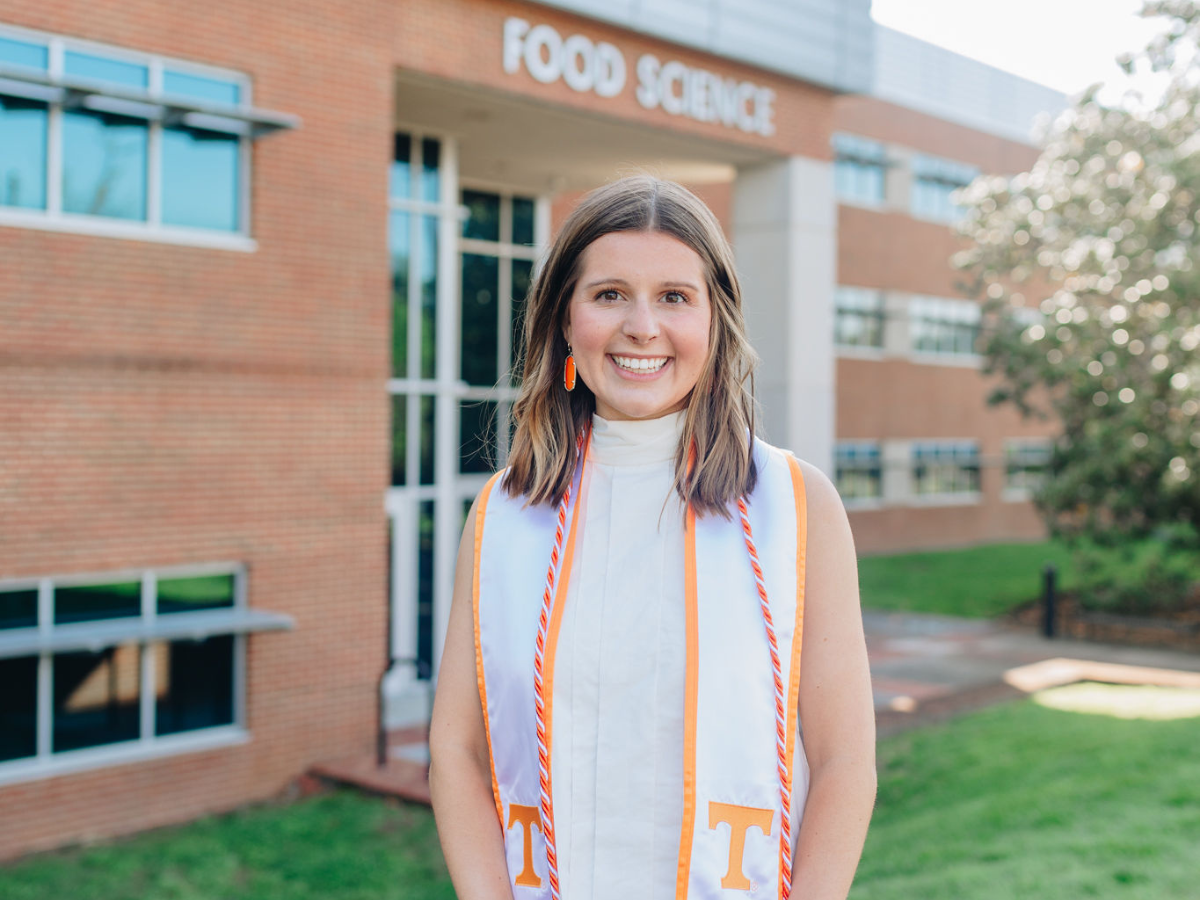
[[675, 297], [608, 296]]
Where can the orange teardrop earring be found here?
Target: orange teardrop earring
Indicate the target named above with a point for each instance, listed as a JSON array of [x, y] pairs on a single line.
[[569, 370]]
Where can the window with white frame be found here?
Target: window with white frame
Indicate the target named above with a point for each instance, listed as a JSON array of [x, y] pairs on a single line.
[[943, 326], [859, 470], [858, 318], [418, 229], [859, 169], [498, 252], [97, 667], [942, 468], [1026, 462], [107, 140], [934, 182]]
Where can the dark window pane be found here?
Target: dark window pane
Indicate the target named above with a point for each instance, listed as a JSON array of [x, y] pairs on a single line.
[[400, 180], [20, 53], [97, 601], [398, 241], [197, 87], [430, 187], [104, 165], [480, 318], [199, 592], [522, 276], [429, 256], [428, 408], [477, 436], [23, 153], [99, 68], [194, 684], [200, 179], [399, 444], [18, 608], [18, 707], [522, 224], [425, 590], [483, 221], [96, 697]]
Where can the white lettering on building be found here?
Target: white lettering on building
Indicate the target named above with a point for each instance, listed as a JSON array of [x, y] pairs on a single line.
[[676, 88], [581, 63]]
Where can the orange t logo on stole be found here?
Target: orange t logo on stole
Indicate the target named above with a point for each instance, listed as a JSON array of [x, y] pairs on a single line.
[[739, 819], [529, 818]]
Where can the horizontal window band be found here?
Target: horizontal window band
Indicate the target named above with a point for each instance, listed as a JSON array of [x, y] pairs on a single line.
[[171, 109], [102, 634]]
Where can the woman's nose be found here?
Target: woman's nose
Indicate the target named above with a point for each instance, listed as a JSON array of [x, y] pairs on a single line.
[[641, 324]]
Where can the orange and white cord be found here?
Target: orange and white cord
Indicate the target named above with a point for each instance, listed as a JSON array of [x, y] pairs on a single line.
[[785, 786], [547, 807]]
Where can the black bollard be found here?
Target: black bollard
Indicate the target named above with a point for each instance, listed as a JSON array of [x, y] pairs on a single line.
[[1050, 574]]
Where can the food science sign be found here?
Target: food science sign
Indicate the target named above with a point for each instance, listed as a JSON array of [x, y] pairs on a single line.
[[597, 66]]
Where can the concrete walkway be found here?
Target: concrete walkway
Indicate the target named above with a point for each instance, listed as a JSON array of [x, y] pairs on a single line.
[[927, 667], [924, 668]]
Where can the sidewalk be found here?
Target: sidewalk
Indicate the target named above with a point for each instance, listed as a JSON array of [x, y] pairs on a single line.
[[924, 668], [928, 667]]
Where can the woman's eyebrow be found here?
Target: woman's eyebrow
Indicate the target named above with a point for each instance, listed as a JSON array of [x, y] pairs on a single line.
[[622, 283]]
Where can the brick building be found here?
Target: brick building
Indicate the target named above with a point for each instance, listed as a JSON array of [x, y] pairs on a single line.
[[261, 266]]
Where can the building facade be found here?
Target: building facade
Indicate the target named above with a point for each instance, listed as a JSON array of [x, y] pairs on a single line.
[[262, 273]]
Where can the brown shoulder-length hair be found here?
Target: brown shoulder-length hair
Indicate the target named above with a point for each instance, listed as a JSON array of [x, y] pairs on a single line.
[[719, 420]]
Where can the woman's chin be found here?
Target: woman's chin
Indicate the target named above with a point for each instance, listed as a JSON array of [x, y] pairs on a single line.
[[642, 408]]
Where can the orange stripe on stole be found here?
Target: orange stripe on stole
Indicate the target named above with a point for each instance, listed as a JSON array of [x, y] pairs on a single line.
[[793, 707], [487, 727], [691, 684]]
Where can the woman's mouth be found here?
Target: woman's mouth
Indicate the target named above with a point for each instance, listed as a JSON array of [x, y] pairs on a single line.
[[639, 365]]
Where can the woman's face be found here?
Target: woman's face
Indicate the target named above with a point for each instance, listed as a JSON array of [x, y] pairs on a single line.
[[638, 323]]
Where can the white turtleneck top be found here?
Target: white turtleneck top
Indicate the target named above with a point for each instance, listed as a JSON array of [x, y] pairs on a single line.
[[617, 753]]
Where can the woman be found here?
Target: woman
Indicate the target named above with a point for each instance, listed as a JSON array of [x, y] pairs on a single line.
[[650, 601]]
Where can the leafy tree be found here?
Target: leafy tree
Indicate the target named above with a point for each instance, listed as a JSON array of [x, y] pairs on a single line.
[[1092, 312]]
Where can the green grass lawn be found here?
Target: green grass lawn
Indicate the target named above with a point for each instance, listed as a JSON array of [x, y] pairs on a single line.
[[1022, 801], [980, 582], [1014, 801], [337, 846]]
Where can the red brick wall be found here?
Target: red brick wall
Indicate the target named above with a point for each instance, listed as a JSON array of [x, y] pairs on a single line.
[[462, 40], [874, 118], [165, 405], [898, 399]]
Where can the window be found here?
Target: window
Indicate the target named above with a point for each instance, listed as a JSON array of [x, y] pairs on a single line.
[[498, 250], [943, 326], [945, 467], [99, 668], [1026, 461], [415, 234], [859, 316], [859, 169], [107, 141], [859, 471], [933, 182]]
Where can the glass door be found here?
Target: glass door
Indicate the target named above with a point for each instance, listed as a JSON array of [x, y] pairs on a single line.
[[461, 260]]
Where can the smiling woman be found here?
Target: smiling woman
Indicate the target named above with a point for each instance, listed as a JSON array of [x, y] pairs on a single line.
[[638, 322], [622, 679]]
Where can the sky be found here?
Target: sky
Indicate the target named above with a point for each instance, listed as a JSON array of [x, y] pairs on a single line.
[[1066, 44]]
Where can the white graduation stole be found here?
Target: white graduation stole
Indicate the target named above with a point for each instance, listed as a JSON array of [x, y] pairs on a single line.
[[730, 840]]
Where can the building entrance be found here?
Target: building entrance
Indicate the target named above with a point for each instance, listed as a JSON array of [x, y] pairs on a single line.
[[462, 256], [477, 178]]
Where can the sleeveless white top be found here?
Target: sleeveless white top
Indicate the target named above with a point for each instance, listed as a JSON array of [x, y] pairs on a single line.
[[617, 755]]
